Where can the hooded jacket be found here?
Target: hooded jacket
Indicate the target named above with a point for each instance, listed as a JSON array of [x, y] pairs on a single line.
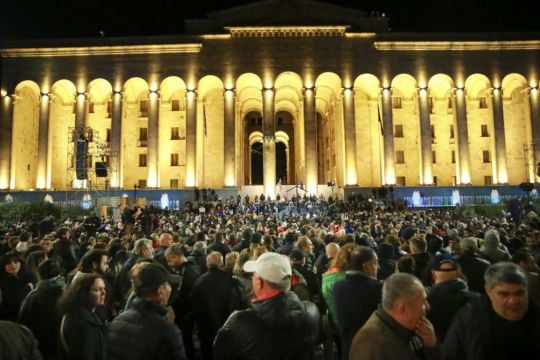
[[281, 327]]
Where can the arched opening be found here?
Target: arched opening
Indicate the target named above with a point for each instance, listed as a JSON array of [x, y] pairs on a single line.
[[256, 163], [281, 162]]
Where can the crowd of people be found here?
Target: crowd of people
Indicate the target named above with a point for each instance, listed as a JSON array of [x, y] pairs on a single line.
[[248, 279]]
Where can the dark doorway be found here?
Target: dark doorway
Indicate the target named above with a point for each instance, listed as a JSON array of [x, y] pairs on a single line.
[[257, 163], [281, 162]]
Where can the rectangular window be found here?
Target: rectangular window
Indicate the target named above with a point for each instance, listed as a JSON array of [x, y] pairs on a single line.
[[451, 131], [107, 160], [72, 162], [109, 109], [174, 159], [400, 157], [142, 160], [174, 184], [484, 130], [175, 105], [396, 102], [91, 109], [143, 137], [450, 106], [432, 133], [434, 157], [142, 184], [90, 135], [108, 136], [482, 103], [398, 130], [143, 108], [435, 180], [453, 157], [89, 161], [175, 133], [486, 157], [454, 180], [400, 180], [430, 104], [488, 180]]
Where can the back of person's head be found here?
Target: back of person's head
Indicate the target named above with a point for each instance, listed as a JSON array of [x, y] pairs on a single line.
[[400, 286], [48, 269], [491, 239], [418, 244], [505, 272], [342, 259], [230, 258], [468, 243], [199, 246], [214, 260], [149, 278], [386, 251], [360, 256], [406, 264], [290, 237]]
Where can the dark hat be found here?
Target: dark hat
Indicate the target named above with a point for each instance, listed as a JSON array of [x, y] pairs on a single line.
[[445, 262], [297, 255], [151, 277]]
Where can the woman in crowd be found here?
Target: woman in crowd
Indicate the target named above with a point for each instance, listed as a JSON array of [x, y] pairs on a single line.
[[82, 331], [15, 284]]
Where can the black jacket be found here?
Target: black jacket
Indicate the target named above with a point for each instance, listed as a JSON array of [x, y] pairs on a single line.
[[445, 299], [41, 315], [143, 333], [470, 335], [474, 267], [84, 334], [17, 342], [281, 327]]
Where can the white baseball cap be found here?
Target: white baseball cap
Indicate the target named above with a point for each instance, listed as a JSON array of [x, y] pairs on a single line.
[[270, 266]]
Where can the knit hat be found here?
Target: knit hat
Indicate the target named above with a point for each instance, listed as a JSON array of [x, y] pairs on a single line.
[[151, 277], [445, 262]]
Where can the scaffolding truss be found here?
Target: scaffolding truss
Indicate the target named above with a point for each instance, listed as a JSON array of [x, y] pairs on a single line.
[[98, 151]]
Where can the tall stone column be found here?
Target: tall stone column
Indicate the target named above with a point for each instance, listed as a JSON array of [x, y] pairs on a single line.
[[80, 110], [310, 133], [388, 137], [351, 177], [229, 153], [191, 132], [425, 138], [269, 143], [116, 141], [43, 180], [153, 140], [535, 129], [462, 135], [6, 124], [499, 141]]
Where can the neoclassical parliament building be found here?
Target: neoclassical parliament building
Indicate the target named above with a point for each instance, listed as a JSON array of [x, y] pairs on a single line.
[[291, 92]]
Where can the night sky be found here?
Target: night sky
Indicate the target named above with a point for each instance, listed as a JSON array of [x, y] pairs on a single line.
[[68, 19]]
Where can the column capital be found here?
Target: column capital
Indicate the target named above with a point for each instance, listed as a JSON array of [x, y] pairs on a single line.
[[344, 90], [269, 138]]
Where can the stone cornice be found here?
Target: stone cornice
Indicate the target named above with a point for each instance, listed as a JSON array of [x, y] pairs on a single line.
[[286, 31], [457, 45], [101, 50]]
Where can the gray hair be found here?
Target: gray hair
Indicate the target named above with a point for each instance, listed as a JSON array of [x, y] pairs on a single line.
[[400, 286], [140, 244], [174, 249], [214, 260], [505, 272]]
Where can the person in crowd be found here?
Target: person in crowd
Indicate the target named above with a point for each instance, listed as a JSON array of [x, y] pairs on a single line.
[[143, 332], [448, 294], [358, 295], [493, 250], [398, 329], [17, 342], [215, 295], [183, 305], [230, 261], [325, 259], [219, 245], [305, 244], [422, 259], [32, 262], [15, 284], [277, 325], [93, 261], [406, 264], [503, 325], [335, 273], [525, 259], [46, 243], [298, 261], [472, 265], [65, 251], [39, 311], [243, 277], [387, 262], [82, 331], [198, 256], [165, 240]]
